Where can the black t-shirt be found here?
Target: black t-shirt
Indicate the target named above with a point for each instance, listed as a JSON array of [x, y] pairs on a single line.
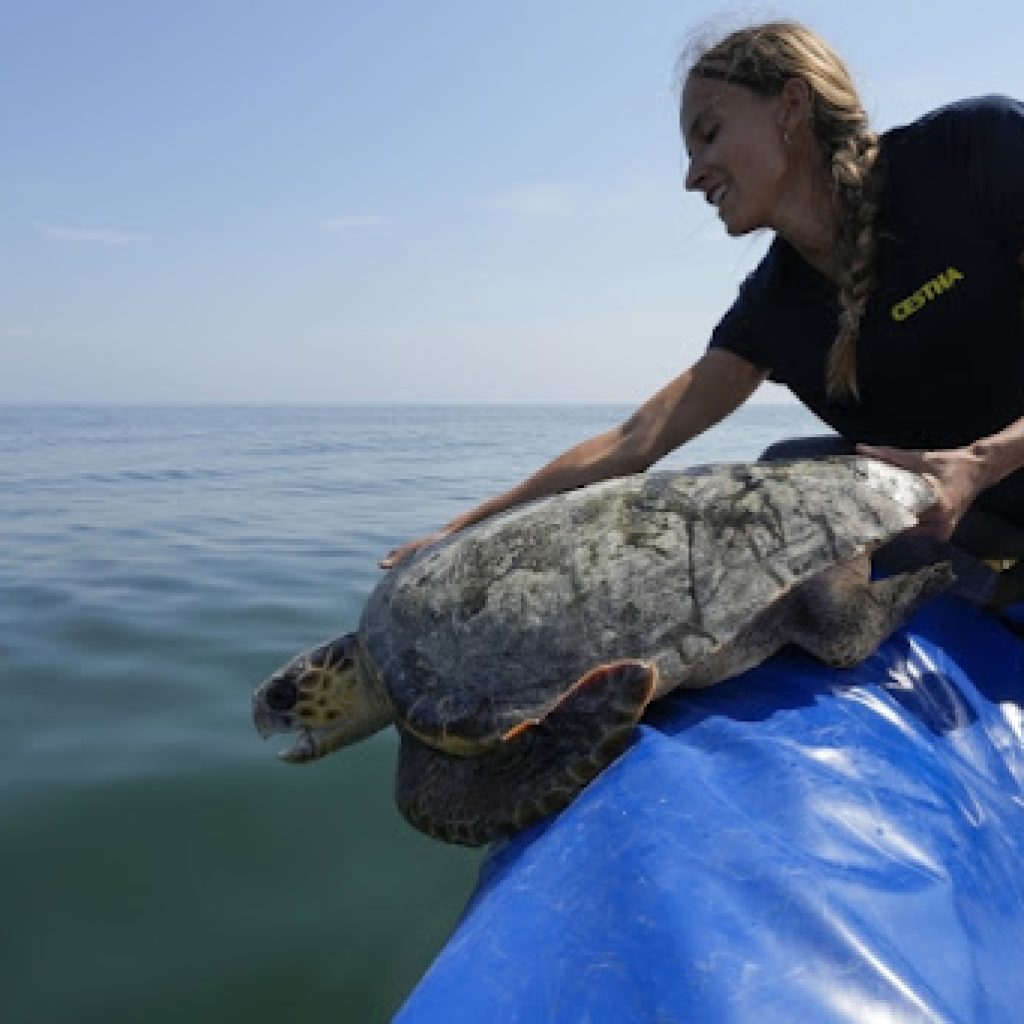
[[940, 353]]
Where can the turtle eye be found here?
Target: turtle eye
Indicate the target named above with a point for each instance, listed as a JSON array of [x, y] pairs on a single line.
[[281, 695]]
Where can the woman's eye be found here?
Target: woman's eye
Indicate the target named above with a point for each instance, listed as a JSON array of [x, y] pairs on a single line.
[[709, 135]]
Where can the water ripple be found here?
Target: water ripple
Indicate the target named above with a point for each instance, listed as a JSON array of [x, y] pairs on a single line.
[[157, 563]]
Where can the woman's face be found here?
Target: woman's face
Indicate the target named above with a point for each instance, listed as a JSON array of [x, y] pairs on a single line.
[[738, 158]]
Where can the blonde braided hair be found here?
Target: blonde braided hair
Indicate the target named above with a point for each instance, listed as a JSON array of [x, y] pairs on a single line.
[[763, 58]]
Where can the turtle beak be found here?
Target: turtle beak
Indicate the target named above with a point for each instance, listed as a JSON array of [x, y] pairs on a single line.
[[276, 709], [268, 722], [311, 742], [305, 748]]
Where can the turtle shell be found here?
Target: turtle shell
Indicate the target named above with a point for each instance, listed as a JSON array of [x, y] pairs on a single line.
[[490, 628]]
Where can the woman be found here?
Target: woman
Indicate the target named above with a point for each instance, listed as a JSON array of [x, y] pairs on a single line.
[[889, 302]]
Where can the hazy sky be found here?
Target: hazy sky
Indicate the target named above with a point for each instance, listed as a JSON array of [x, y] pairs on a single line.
[[442, 200]]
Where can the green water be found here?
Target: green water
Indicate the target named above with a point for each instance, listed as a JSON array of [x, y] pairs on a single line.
[[257, 894]]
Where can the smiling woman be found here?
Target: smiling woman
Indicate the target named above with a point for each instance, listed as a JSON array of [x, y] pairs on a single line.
[[892, 255], [921, 223], [799, 135]]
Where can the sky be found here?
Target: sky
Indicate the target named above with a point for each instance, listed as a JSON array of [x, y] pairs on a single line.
[[440, 201]]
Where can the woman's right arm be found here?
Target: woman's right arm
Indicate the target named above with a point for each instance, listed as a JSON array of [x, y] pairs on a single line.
[[718, 383]]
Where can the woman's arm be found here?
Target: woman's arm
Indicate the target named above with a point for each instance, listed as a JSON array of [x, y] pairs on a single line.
[[958, 475], [697, 399]]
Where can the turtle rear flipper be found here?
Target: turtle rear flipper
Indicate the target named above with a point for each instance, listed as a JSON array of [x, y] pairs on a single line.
[[535, 770], [844, 616]]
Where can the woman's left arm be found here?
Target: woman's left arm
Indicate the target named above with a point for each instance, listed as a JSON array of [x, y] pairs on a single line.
[[958, 475]]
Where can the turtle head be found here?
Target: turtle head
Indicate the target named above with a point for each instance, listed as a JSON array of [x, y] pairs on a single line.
[[324, 695]]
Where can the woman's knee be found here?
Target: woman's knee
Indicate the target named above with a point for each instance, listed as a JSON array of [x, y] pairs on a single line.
[[821, 446]]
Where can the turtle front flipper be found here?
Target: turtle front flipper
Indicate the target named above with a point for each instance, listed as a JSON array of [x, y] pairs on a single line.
[[534, 770], [842, 616]]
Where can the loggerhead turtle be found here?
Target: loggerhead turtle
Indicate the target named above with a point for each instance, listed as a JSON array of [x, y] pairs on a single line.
[[516, 657]]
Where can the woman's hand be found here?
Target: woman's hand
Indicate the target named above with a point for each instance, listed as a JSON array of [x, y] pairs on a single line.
[[957, 476], [398, 555]]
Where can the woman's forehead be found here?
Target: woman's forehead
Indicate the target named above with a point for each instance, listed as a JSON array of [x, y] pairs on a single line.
[[702, 96]]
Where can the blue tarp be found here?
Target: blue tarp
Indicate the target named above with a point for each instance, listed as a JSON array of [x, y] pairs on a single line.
[[800, 844]]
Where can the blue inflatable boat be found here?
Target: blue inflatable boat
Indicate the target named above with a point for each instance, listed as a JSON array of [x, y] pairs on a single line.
[[799, 844]]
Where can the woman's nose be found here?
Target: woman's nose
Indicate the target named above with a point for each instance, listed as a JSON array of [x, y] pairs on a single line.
[[694, 174]]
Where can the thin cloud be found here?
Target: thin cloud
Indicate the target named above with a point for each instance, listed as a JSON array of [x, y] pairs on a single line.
[[539, 199], [353, 222], [101, 236], [550, 200], [637, 195]]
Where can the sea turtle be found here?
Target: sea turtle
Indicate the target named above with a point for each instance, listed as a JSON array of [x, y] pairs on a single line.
[[516, 657]]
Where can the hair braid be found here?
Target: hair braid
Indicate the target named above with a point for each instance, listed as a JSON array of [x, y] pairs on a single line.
[[856, 207]]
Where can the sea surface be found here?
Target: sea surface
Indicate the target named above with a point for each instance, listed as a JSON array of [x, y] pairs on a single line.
[[157, 863]]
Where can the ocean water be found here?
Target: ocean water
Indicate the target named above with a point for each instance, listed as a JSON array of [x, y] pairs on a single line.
[[157, 862]]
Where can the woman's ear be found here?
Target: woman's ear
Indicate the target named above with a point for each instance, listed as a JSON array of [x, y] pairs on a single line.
[[795, 105]]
